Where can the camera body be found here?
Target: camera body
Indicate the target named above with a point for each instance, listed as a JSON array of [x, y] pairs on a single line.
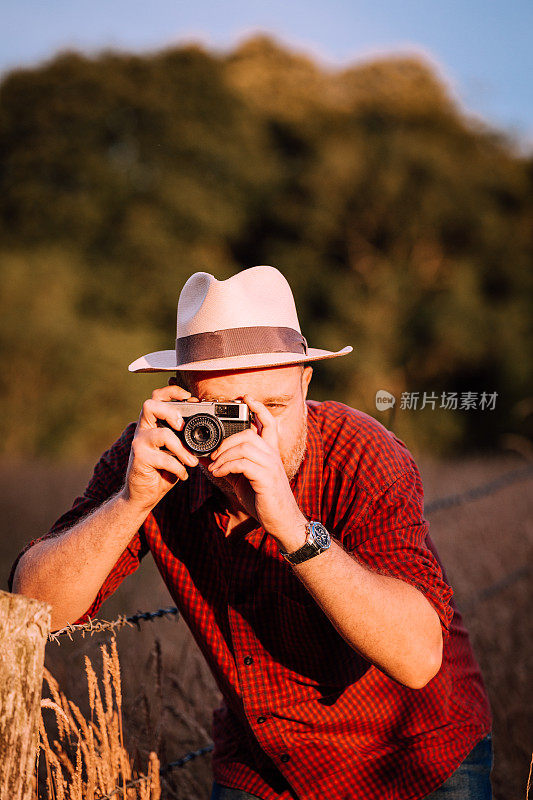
[[207, 424]]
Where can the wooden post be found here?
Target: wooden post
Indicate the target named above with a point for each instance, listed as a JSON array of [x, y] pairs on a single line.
[[24, 628]]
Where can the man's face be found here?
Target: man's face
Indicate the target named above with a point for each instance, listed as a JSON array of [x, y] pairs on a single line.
[[281, 389]]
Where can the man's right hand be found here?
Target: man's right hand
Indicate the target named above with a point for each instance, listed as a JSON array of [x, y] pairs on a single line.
[[68, 570], [152, 471]]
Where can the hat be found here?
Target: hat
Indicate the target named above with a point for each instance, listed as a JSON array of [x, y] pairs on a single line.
[[246, 321]]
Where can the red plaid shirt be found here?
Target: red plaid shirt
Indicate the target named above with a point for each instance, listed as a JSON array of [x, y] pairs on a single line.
[[304, 715]]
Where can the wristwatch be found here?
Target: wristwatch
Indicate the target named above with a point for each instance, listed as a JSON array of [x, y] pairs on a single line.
[[318, 540]]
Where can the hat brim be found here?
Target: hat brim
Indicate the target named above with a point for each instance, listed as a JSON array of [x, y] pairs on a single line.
[[165, 361]]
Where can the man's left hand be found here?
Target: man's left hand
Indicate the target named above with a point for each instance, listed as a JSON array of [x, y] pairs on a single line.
[[251, 462]]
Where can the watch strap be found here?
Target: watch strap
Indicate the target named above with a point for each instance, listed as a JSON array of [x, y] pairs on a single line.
[[308, 550], [304, 553]]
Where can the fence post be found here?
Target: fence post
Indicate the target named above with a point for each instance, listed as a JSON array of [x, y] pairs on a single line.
[[24, 628]]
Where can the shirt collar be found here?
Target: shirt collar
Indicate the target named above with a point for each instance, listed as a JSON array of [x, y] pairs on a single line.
[[306, 485]]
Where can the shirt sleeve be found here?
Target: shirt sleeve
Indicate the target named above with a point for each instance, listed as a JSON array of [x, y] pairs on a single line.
[[107, 479], [390, 538]]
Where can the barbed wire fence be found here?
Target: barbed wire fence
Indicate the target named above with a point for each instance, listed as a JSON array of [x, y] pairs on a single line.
[[94, 626], [483, 490]]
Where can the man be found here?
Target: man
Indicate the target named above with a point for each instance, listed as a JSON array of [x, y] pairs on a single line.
[[298, 555]]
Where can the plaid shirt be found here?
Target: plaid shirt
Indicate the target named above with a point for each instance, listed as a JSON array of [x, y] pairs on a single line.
[[304, 715]]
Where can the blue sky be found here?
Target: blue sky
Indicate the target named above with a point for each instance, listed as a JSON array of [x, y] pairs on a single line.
[[482, 47]]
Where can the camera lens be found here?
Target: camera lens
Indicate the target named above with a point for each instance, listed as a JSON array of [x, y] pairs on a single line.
[[202, 433]]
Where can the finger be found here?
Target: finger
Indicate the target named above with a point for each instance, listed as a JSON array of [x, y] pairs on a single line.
[[269, 430], [243, 450], [166, 462], [164, 437], [147, 458], [153, 411], [239, 466], [189, 398], [249, 435], [171, 392]]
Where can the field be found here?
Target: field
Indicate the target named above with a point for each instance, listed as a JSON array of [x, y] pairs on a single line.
[[169, 693]]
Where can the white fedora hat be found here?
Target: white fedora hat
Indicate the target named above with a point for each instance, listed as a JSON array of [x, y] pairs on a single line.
[[244, 322]]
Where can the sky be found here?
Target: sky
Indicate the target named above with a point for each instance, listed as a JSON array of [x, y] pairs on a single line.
[[481, 47]]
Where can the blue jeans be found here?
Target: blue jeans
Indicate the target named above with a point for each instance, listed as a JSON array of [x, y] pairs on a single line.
[[470, 781]]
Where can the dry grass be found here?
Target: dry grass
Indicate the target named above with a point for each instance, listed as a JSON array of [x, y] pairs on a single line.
[[168, 692], [88, 760]]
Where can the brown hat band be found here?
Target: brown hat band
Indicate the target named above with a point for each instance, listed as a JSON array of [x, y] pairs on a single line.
[[238, 342]]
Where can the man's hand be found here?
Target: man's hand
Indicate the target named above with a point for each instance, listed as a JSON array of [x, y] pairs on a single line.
[[68, 570], [152, 471], [251, 462]]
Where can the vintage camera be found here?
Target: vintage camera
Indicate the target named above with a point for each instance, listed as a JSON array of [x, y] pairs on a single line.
[[207, 424]]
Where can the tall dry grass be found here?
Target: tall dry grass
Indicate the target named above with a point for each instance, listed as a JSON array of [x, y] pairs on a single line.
[[88, 760]]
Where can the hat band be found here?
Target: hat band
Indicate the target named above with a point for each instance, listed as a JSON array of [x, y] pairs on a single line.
[[238, 342]]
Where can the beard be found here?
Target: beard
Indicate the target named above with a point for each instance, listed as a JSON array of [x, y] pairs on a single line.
[[291, 460]]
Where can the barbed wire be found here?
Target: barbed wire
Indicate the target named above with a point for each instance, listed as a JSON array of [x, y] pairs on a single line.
[[127, 785], [202, 751], [99, 625], [180, 762], [496, 588], [491, 487]]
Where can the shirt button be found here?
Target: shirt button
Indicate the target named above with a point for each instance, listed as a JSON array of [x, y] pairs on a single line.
[[260, 720], [248, 660], [284, 758]]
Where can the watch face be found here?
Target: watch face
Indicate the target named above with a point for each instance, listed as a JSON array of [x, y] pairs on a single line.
[[321, 536]]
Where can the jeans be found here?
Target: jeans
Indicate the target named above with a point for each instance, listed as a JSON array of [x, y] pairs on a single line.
[[470, 781]]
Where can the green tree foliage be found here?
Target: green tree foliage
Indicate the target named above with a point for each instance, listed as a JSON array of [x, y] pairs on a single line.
[[404, 228]]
